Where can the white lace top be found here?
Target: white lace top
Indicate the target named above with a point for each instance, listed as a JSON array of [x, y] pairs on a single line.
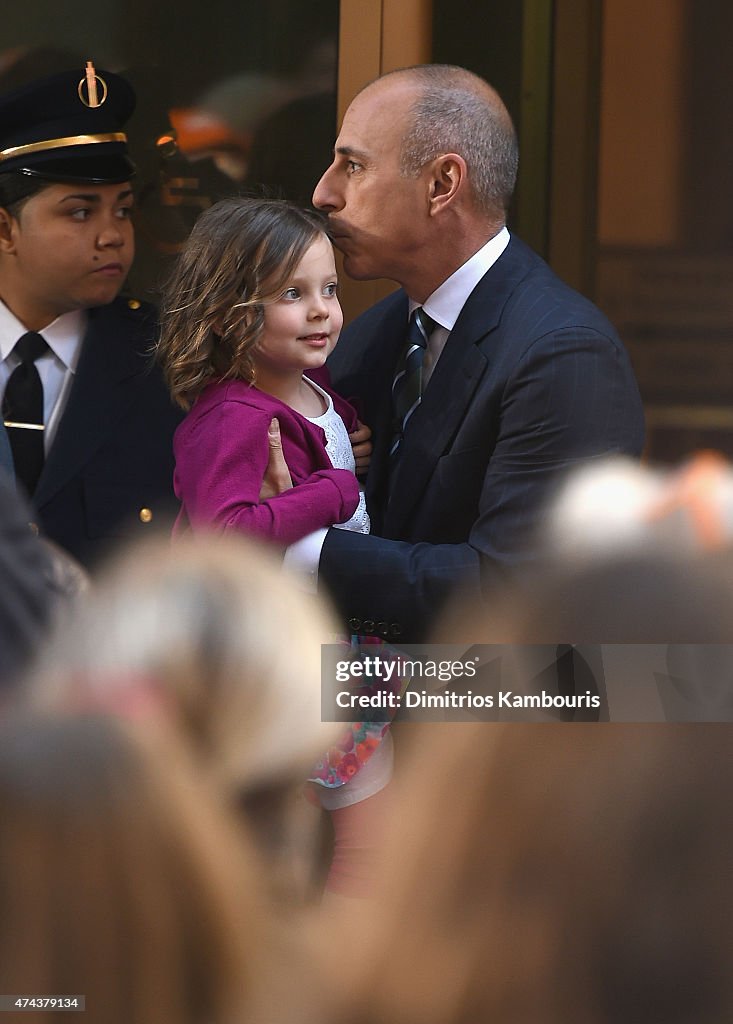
[[338, 449]]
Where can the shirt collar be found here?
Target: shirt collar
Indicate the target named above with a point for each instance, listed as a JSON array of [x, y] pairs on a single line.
[[449, 298], [64, 335]]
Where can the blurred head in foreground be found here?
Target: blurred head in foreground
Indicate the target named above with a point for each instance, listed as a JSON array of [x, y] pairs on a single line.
[[121, 877], [230, 649], [629, 555], [37, 580], [616, 505], [553, 874], [631, 605]]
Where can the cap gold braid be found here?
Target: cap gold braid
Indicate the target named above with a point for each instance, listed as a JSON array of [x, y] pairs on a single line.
[[68, 140]]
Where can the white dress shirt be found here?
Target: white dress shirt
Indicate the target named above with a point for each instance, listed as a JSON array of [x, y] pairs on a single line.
[[56, 368], [444, 306]]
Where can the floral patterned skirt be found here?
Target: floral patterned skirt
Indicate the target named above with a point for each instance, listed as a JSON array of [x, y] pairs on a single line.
[[354, 748]]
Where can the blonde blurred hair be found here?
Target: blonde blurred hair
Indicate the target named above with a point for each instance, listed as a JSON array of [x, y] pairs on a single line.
[[122, 878], [212, 625], [210, 633], [551, 874]]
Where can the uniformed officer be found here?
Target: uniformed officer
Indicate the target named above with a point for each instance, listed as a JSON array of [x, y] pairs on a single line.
[[89, 419]]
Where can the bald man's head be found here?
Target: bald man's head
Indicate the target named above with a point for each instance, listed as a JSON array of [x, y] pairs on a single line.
[[455, 111]]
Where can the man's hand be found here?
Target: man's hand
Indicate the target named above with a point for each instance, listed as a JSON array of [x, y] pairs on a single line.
[[361, 447], [277, 475]]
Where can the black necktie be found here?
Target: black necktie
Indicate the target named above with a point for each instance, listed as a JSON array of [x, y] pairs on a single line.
[[407, 386], [23, 411]]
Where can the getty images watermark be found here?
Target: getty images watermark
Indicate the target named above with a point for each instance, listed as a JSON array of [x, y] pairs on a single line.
[[530, 682]]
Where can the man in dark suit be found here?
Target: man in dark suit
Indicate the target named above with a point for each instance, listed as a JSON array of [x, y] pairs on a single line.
[[521, 378], [89, 420]]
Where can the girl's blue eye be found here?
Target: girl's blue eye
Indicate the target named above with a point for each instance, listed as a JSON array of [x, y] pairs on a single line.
[[290, 293], [330, 289]]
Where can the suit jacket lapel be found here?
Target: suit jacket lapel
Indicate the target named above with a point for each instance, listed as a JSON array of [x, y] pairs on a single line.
[[457, 374], [97, 398], [432, 426]]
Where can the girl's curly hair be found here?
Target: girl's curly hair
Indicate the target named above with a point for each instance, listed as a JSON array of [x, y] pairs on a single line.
[[238, 258]]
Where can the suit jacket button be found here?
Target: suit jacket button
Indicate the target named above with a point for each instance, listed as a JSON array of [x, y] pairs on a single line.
[[382, 629], [145, 515], [134, 303], [395, 629], [355, 625], [369, 626]]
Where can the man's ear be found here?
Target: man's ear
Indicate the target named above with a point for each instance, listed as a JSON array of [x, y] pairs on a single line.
[[449, 176], [8, 227]]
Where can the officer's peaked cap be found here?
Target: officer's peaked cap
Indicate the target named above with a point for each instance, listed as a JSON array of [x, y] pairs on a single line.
[[68, 127]]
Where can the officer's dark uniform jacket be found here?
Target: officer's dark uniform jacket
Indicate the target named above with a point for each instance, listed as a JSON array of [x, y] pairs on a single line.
[[109, 472]]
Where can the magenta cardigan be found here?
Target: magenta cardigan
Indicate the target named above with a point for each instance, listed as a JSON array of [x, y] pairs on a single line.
[[221, 452]]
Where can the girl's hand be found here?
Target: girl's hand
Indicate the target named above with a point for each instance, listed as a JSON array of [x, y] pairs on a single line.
[[361, 447], [277, 477]]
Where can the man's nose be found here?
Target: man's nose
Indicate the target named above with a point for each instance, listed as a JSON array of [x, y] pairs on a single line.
[[325, 196]]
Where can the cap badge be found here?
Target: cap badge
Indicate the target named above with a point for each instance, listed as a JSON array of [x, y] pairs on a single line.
[[92, 81]]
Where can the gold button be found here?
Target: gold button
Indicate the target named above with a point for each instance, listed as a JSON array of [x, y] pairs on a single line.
[[34, 528], [134, 304], [146, 515]]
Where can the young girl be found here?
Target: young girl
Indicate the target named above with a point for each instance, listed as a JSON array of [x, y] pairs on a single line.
[[251, 314]]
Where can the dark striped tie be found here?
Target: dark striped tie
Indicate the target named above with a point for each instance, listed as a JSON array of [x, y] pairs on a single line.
[[407, 386], [23, 411]]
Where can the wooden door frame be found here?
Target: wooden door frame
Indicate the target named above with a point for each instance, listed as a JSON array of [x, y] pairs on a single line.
[[376, 36], [574, 138]]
